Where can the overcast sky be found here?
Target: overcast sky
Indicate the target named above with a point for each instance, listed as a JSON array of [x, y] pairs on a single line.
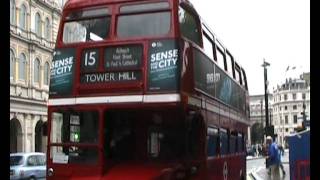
[[277, 30]]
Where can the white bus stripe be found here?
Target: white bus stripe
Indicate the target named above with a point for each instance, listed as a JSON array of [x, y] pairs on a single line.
[[161, 98], [62, 101], [115, 99], [108, 99]]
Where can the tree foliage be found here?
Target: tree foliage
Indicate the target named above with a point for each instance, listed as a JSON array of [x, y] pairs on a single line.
[[257, 133]]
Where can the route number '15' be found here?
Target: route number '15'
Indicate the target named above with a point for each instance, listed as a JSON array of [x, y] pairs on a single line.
[[90, 59]]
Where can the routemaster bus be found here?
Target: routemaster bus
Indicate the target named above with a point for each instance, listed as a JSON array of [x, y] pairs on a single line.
[[141, 90]]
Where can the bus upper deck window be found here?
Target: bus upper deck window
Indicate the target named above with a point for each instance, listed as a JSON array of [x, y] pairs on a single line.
[[189, 26], [146, 24], [86, 25]]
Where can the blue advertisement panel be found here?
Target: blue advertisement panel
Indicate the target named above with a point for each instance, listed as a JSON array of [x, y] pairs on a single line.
[[163, 63], [224, 87], [62, 71], [235, 95]]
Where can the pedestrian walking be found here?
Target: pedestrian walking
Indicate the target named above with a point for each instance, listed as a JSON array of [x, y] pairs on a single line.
[[281, 165], [281, 149], [254, 149], [273, 161], [260, 150]]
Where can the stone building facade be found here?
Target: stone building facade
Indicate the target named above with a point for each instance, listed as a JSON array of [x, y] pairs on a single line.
[[257, 111], [285, 107], [289, 100], [33, 30]]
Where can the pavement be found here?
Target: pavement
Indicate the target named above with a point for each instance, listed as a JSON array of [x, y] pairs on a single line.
[[256, 168]]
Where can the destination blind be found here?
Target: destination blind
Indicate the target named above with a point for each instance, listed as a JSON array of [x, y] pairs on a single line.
[[121, 64]]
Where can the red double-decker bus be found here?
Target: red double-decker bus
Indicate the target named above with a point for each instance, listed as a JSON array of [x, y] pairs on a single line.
[[142, 89]]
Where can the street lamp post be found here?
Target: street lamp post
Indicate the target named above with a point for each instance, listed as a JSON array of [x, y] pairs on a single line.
[[261, 108], [304, 115], [264, 65]]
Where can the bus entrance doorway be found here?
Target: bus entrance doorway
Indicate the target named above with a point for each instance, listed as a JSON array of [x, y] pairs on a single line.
[[120, 135], [141, 135]]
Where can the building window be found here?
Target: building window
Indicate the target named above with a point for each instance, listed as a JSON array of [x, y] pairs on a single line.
[[303, 95], [23, 16], [285, 108], [12, 64], [294, 107], [285, 97], [279, 97], [287, 129], [46, 73], [280, 108], [38, 24], [286, 119], [22, 66], [47, 29], [294, 96], [295, 119], [36, 70], [12, 12]]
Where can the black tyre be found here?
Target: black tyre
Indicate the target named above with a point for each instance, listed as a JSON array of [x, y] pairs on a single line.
[[32, 178]]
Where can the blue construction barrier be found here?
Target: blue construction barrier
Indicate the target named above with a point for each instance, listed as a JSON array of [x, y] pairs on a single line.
[[299, 151]]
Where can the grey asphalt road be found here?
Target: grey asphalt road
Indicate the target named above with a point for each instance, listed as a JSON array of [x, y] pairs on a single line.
[[257, 167]]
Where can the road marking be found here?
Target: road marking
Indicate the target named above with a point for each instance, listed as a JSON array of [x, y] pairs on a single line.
[[254, 173]]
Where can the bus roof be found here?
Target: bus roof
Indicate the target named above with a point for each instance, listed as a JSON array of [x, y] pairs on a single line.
[[89, 3]]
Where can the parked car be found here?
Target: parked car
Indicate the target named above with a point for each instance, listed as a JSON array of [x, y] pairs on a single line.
[[27, 165]]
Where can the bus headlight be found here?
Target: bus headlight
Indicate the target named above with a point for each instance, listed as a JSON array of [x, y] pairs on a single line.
[[50, 172]]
